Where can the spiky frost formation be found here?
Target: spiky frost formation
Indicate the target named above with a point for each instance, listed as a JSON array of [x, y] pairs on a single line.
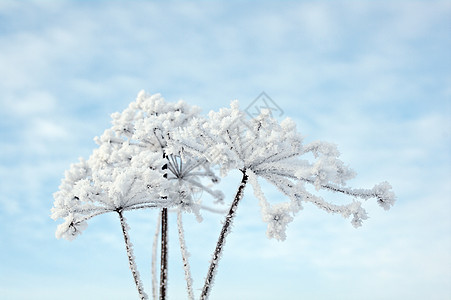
[[85, 193], [131, 258], [126, 171], [133, 168], [159, 154], [275, 152], [148, 124], [185, 256]]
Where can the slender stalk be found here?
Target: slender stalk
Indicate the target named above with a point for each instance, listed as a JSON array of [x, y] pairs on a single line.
[[185, 254], [221, 240], [164, 254], [154, 259], [131, 257], [164, 239]]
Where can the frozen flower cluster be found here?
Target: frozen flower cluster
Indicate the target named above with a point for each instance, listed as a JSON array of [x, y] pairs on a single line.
[[275, 152], [159, 155], [133, 169]]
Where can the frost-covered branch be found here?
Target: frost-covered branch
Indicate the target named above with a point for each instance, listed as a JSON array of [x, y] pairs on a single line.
[[131, 257], [185, 255], [221, 240], [154, 259]]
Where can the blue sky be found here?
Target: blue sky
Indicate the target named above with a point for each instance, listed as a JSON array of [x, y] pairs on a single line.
[[373, 77]]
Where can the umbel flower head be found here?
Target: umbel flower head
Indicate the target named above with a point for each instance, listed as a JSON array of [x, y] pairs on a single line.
[[148, 123], [133, 169], [84, 194], [264, 148]]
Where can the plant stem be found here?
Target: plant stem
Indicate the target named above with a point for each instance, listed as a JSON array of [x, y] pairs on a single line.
[[154, 259], [131, 257], [185, 254], [164, 254], [221, 240]]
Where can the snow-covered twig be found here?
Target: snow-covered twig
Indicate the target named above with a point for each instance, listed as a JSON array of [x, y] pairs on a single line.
[[222, 236], [185, 255], [154, 259], [131, 257]]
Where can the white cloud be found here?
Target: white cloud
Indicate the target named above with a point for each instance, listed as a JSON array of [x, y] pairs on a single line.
[[32, 103], [45, 130]]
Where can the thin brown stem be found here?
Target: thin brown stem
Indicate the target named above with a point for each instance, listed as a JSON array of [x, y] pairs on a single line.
[[222, 236], [164, 254]]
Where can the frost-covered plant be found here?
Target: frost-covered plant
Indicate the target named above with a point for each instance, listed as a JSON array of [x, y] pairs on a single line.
[[275, 152], [147, 124], [86, 192], [159, 154], [131, 169]]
